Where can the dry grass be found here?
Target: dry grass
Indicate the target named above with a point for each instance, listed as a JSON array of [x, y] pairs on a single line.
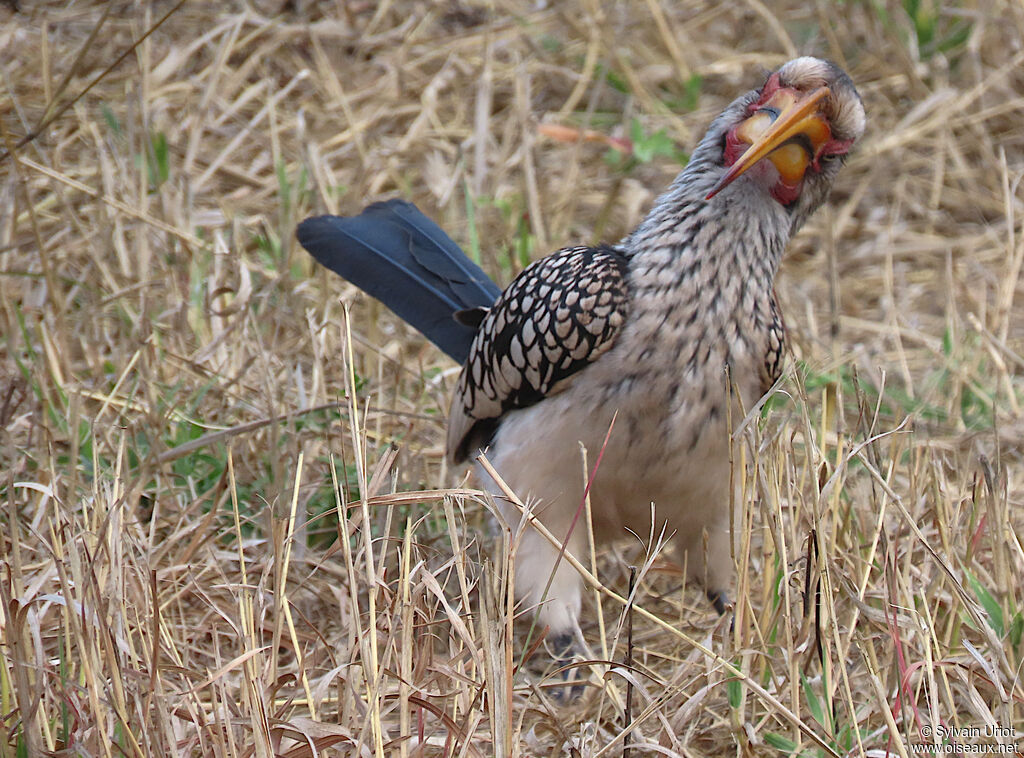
[[181, 391]]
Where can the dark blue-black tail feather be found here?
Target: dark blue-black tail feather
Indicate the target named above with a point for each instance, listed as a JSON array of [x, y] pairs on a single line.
[[399, 256]]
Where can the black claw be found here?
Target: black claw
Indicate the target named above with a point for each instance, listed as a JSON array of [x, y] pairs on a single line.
[[719, 599]]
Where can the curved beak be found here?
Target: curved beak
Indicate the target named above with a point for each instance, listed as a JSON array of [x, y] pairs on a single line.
[[798, 116]]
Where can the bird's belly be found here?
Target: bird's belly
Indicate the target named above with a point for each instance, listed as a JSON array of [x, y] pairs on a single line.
[[678, 479], [674, 458]]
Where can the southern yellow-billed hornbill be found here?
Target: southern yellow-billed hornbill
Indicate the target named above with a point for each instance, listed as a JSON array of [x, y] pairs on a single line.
[[644, 329]]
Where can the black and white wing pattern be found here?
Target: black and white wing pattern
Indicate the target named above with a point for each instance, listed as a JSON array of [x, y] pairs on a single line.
[[775, 347], [560, 314]]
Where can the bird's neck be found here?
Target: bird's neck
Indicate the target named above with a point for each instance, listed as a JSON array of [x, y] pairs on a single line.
[[739, 236]]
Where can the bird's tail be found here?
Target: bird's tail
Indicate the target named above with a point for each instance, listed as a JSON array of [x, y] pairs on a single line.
[[399, 256]]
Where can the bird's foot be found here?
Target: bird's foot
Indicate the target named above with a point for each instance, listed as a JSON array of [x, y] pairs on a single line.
[[562, 647], [720, 599], [563, 650]]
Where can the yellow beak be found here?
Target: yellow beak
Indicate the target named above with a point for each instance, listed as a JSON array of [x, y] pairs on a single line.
[[797, 115]]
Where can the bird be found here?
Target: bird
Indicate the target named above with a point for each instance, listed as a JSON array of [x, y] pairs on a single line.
[[642, 350]]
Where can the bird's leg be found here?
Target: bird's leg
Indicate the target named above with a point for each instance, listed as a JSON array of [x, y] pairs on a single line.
[[547, 582], [709, 559], [557, 595], [718, 566]]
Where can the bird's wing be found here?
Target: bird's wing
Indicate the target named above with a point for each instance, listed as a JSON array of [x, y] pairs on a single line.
[[557, 316], [399, 256], [775, 346]]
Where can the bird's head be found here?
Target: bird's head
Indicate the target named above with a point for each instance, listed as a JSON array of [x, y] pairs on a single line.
[[791, 135]]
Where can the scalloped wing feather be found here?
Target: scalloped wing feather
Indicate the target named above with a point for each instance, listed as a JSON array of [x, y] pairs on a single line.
[[559, 315]]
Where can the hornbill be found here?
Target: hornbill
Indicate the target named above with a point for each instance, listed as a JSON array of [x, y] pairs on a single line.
[[659, 331]]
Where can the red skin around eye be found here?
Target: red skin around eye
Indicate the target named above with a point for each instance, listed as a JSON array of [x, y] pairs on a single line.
[[770, 88], [831, 148]]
